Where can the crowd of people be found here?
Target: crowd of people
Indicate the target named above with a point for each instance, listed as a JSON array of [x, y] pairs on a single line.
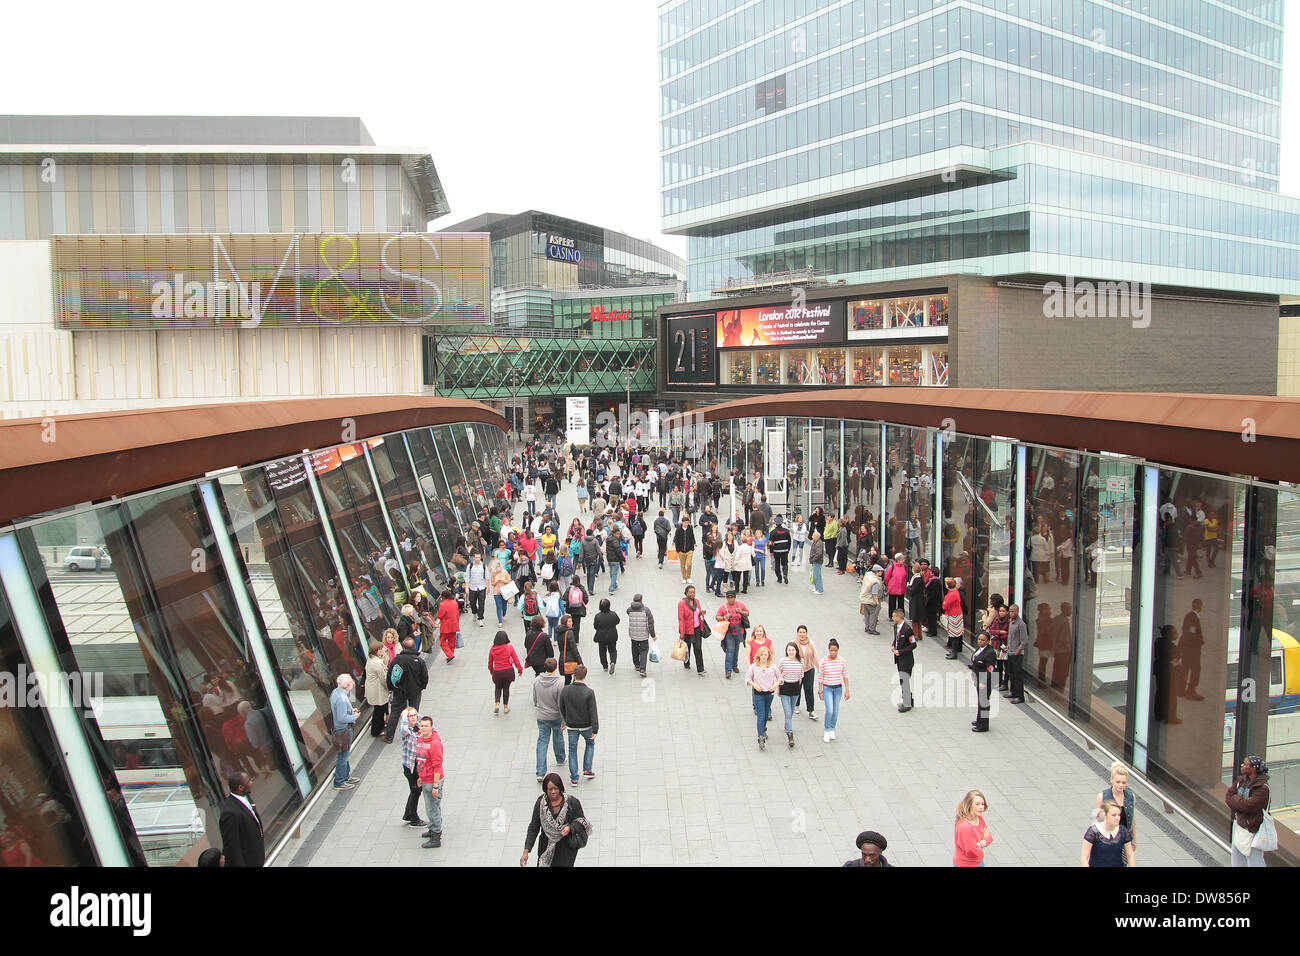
[[522, 553]]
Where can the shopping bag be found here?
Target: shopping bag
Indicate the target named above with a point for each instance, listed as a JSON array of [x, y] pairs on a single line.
[[654, 651], [720, 628], [679, 650], [1266, 836], [671, 555], [460, 640], [510, 591]]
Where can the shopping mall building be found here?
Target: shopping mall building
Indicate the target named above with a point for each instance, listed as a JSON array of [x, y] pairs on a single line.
[[573, 316], [152, 261], [965, 194]]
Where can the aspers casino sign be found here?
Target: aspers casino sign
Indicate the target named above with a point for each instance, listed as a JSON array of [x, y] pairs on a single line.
[[562, 249]]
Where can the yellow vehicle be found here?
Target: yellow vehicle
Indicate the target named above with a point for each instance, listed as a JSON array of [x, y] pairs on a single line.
[[1283, 674]]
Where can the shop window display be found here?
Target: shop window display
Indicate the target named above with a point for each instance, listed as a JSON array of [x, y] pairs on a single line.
[[906, 313], [797, 371], [868, 366], [769, 368], [938, 310], [830, 366], [867, 315], [905, 366], [741, 369], [938, 367]]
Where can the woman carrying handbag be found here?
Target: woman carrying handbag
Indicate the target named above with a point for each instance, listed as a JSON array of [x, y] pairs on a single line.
[[557, 826], [1253, 830], [566, 647]]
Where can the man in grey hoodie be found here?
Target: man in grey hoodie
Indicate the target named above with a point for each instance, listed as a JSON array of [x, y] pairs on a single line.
[[546, 698], [641, 628]]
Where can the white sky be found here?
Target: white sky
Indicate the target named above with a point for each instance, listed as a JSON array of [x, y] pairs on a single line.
[[523, 104]]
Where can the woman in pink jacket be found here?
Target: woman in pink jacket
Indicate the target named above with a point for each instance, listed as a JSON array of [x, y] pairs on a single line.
[[971, 835], [896, 583]]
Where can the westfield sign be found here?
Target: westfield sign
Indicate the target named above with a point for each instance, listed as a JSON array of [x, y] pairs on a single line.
[[599, 314]]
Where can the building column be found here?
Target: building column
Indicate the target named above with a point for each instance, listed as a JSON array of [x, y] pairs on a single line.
[[936, 510], [1019, 499], [38, 647], [1146, 616]]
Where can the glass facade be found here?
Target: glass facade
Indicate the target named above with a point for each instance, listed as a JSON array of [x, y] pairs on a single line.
[[1160, 602], [768, 107], [212, 634]]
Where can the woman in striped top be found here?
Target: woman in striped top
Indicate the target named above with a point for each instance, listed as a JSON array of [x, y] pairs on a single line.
[[832, 681], [791, 673], [763, 677]]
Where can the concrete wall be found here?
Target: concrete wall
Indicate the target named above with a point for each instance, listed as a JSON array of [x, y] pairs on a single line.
[[47, 371]]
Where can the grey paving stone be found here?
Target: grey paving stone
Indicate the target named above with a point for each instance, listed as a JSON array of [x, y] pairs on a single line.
[[682, 782]]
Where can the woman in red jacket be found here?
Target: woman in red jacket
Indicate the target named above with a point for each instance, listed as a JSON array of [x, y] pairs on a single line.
[[503, 664], [691, 628]]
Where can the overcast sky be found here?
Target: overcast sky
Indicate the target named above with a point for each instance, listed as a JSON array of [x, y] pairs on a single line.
[[522, 104]]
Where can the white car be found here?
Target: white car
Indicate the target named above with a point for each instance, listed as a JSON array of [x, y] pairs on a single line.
[[83, 559]]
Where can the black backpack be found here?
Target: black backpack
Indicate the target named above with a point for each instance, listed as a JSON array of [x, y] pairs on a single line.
[[531, 607]]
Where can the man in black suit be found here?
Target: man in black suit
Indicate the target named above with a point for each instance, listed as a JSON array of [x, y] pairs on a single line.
[[904, 645], [982, 663], [242, 840]]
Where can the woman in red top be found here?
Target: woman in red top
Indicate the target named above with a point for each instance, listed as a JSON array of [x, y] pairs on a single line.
[[954, 622], [971, 835], [503, 664], [758, 639]]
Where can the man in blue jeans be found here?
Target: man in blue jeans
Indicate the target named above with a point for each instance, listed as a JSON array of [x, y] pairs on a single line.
[[546, 698], [614, 556], [578, 711], [345, 715]]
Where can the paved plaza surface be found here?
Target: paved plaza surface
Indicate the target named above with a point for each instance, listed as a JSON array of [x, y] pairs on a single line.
[[680, 779]]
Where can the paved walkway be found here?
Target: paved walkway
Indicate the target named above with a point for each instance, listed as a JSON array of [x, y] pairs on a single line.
[[680, 780]]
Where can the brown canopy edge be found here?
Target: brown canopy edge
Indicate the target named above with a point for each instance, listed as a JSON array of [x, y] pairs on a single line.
[[1230, 434], [55, 462]]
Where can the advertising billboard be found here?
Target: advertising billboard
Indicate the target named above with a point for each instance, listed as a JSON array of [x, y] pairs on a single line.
[[577, 420], [691, 350], [811, 323]]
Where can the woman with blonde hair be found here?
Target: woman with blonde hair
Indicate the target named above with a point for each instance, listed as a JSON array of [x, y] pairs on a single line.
[[392, 645], [763, 676], [758, 639], [498, 577], [971, 834], [1119, 793]]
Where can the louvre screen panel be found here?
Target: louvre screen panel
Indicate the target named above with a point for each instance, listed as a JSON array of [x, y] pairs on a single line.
[[132, 282]]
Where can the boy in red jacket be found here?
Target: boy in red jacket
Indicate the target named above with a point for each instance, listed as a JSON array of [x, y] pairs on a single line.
[[448, 625], [428, 764]]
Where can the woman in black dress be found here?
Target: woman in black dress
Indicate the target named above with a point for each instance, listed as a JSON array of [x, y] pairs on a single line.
[[557, 826]]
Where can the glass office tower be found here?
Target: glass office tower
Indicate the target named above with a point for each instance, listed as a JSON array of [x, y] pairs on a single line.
[[873, 140]]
